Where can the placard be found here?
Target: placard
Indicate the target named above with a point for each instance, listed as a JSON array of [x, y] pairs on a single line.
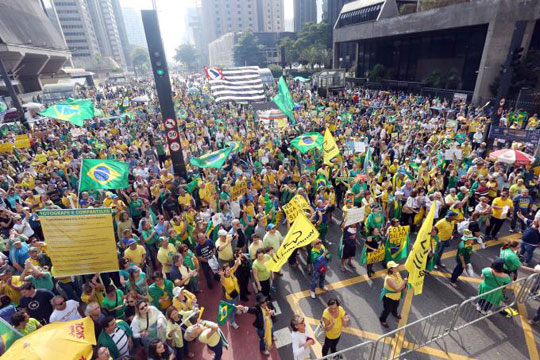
[[355, 215], [239, 189], [22, 141], [80, 241]]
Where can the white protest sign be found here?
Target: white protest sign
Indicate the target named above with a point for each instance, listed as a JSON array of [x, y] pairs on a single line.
[[355, 215]]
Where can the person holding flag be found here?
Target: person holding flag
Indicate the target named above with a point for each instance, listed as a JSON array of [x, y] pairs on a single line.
[[231, 288], [263, 322], [391, 293]]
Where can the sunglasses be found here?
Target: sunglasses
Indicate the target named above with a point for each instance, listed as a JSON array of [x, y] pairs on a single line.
[[60, 303], [143, 307]]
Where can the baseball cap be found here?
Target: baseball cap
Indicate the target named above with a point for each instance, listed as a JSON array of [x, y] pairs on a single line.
[[392, 265], [131, 242], [271, 226], [177, 290]]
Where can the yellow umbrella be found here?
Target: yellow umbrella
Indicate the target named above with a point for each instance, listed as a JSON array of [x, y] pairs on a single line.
[[70, 340]]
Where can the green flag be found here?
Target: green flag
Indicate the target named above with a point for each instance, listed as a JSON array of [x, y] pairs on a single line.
[[73, 110], [223, 312], [193, 185], [284, 100], [308, 141], [103, 174], [235, 145], [8, 335], [214, 159]]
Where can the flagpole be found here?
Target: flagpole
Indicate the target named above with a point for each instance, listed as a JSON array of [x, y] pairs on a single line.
[[80, 177]]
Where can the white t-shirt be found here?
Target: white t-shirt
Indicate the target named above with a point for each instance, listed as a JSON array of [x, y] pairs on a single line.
[[298, 341], [71, 312]]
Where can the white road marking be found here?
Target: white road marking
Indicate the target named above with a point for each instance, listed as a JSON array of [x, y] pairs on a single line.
[[283, 337]]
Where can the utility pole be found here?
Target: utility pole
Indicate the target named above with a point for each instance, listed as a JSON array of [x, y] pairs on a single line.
[[13, 94], [513, 57]]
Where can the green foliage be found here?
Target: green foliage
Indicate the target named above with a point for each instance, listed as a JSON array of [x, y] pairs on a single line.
[[310, 47], [524, 74], [376, 73], [248, 51], [188, 56], [276, 70], [140, 58], [443, 79]]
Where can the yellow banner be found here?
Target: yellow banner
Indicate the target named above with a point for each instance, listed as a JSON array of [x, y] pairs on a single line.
[[6, 147], [282, 123], [376, 256], [417, 259], [80, 241], [301, 233], [294, 207], [239, 189], [398, 234], [330, 148], [22, 141]]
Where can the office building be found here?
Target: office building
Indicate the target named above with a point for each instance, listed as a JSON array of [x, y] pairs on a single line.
[[467, 40], [333, 8], [304, 11], [273, 19], [134, 27], [122, 32], [106, 29]]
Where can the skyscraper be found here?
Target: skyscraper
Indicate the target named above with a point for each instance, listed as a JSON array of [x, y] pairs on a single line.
[[334, 8], [106, 29], [304, 11], [273, 19], [78, 31], [134, 27], [117, 9]]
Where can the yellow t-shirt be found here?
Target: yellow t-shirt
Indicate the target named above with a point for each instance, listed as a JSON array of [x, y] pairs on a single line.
[[211, 340], [164, 256], [230, 284], [499, 202], [335, 331], [135, 256], [227, 253], [399, 282], [10, 292], [185, 200], [446, 228]]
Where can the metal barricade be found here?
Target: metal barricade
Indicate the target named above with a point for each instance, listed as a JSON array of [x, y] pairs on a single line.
[[480, 307], [361, 351], [415, 335], [530, 288]]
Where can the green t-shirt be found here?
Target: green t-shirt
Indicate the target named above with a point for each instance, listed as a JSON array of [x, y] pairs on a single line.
[[147, 239], [188, 260], [133, 207], [107, 304], [511, 260], [464, 250], [262, 272], [44, 282], [160, 150]]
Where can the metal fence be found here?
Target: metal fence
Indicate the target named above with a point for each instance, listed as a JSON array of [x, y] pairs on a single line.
[[436, 326]]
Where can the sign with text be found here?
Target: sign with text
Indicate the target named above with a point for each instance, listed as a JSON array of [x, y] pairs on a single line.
[[355, 215], [294, 207], [239, 189], [80, 241]]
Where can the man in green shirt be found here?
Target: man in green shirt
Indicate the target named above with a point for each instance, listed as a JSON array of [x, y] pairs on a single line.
[[463, 255]]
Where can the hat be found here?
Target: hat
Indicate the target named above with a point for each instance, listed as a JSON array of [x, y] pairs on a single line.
[[392, 265], [271, 226], [260, 298], [131, 242], [222, 232], [191, 333], [177, 290], [33, 249], [451, 213], [15, 240]]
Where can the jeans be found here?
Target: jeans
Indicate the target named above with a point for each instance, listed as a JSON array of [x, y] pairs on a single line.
[[217, 350], [389, 306], [458, 270], [528, 250], [329, 345], [494, 227], [442, 245], [262, 345], [208, 275], [318, 278]]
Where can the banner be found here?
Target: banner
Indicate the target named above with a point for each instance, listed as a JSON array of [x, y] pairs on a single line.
[[294, 207], [80, 241], [355, 215], [373, 256], [22, 141], [239, 189], [397, 243], [330, 148], [301, 233], [417, 259], [520, 135], [6, 147]]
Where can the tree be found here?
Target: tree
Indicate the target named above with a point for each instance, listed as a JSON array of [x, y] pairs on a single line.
[[312, 45], [188, 56], [248, 51], [288, 48], [140, 59]]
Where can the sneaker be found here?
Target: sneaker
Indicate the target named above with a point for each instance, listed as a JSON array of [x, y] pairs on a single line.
[[325, 288], [454, 284], [235, 326], [312, 294], [342, 268], [478, 308], [266, 353]]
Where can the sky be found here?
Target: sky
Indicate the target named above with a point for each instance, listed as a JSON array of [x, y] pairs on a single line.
[[171, 15]]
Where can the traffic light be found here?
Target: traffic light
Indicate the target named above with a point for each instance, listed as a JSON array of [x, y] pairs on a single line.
[[516, 56]]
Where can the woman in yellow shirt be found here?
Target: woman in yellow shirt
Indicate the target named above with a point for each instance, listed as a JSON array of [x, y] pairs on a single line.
[[334, 320], [230, 284], [391, 293]]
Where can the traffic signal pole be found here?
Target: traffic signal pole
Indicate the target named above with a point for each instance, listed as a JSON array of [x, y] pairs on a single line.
[[163, 88]]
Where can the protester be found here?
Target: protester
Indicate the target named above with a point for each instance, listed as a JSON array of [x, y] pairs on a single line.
[[301, 342], [116, 335], [334, 320], [391, 293]]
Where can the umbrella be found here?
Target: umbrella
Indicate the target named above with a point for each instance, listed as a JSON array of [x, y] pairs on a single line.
[[142, 98], [512, 157], [33, 106], [70, 340], [194, 91]]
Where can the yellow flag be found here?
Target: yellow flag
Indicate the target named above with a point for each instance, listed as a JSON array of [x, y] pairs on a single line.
[[330, 148], [295, 206], [301, 233], [417, 259]]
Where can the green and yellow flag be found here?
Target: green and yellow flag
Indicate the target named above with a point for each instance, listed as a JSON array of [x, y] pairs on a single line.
[[284, 100], [308, 141], [73, 110], [103, 174], [235, 145], [8, 335], [330, 148], [214, 159], [224, 311]]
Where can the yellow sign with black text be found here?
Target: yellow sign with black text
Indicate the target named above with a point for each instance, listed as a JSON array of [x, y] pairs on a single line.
[[239, 189], [330, 148], [294, 207], [301, 233], [80, 241]]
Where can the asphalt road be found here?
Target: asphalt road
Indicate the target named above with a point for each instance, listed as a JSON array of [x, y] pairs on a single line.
[[494, 338]]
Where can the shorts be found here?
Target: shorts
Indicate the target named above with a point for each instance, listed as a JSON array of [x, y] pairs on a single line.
[[348, 252]]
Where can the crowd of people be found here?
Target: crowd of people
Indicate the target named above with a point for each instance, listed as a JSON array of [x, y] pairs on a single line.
[[176, 237]]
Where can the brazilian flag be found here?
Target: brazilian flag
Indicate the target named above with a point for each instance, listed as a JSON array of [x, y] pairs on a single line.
[[73, 110], [214, 159], [224, 311], [235, 145], [182, 113], [320, 181], [8, 335], [308, 141], [103, 174]]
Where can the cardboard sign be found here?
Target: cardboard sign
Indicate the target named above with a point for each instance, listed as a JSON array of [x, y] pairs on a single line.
[[6, 147], [355, 215], [239, 189], [22, 141]]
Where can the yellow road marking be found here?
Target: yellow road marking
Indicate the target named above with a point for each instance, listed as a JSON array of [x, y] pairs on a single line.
[[405, 310], [463, 278], [527, 330], [374, 336]]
